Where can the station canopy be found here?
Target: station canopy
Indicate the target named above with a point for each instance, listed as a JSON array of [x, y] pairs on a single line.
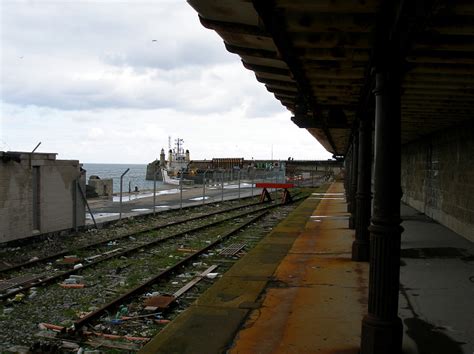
[[317, 58]]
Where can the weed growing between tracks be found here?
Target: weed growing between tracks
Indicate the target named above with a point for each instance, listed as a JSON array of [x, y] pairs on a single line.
[[62, 306]]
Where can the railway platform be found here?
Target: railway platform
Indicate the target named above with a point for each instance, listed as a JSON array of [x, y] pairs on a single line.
[[299, 291]]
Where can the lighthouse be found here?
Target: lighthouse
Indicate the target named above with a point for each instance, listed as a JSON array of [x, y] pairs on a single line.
[[170, 157], [162, 158]]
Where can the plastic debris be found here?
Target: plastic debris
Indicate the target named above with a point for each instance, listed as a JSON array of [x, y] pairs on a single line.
[[69, 345], [82, 314], [212, 275], [7, 310], [18, 297], [99, 327], [74, 276], [77, 266], [122, 311], [73, 282], [11, 290]]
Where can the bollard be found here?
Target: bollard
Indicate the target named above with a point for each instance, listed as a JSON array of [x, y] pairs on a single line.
[[204, 187], [181, 190], [222, 186], [154, 190], [121, 187]]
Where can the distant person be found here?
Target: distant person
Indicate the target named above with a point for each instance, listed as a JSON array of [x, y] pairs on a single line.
[[136, 189]]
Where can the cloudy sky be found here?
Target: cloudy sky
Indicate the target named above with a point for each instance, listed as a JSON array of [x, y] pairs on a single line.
[[109, 81]]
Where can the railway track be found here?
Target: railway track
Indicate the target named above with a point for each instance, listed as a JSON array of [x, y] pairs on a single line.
[[97, 255], [220, 231], [36, 260], [80, 324]]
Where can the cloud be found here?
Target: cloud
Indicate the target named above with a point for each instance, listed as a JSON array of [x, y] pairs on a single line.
[[102, 55], [106, 81], [137, 136]]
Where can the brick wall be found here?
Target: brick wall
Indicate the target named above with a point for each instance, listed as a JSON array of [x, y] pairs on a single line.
[[438, 177]]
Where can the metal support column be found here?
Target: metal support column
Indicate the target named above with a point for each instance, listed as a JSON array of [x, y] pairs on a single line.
[[381, 327], [353, 184], [360, 247], [347, 178]]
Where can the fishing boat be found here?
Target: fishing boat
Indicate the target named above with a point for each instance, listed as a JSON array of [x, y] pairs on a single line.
[[167, 179], [169, 170]]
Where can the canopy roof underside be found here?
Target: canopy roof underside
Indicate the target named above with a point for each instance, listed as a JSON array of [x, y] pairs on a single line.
[[316, 58]]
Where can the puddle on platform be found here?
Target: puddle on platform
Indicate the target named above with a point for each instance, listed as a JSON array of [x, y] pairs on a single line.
[[199, 198], [319, 218], [100, 215], [127, 198], [324, 198]]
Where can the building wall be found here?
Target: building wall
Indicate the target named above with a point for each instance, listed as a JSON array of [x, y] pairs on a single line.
[[103, 187], [60, 203], [438, 177]]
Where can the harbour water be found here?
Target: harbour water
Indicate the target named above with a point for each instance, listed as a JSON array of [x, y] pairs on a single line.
[[134, 178]]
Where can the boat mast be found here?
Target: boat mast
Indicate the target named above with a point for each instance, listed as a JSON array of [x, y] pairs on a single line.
[[179, 146]]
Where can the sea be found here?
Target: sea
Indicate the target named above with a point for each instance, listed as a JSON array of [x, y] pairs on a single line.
[[135, 177]]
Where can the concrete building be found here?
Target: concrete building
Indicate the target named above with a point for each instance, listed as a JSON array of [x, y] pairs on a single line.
[[102, 187], [39, 194]]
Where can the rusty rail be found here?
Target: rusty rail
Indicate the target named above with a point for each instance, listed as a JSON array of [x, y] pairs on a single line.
[[48, 279], [95, 244], [140, 288]]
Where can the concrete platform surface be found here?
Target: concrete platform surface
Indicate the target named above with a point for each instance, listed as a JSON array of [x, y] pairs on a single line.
[[299, 292], [320, 296]]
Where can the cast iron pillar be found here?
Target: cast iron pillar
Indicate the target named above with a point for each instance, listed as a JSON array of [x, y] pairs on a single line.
[[353, 183], [381, 327], [360, 247], [347, 179]]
